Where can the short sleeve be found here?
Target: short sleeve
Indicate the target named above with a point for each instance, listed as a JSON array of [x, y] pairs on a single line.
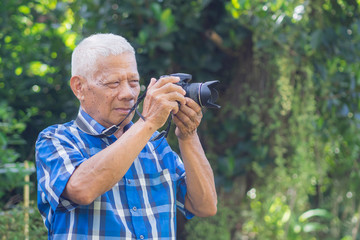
[[56, 159]]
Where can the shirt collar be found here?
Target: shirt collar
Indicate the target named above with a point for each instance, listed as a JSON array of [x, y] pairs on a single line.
[[92, 125]]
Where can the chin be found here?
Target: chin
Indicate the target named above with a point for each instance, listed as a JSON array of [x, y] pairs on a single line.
[[126, 121]]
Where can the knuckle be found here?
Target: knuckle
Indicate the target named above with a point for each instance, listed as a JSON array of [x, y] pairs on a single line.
[[167, 85]]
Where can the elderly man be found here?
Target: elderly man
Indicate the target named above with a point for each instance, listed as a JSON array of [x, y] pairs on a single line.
[[123, 185]]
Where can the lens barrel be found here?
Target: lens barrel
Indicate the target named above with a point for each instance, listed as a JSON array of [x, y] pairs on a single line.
[[205, 94]]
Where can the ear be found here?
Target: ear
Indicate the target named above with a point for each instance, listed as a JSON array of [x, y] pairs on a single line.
[[77, 84]]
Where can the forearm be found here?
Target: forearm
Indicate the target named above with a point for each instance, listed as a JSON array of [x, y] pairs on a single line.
[[102, 171], [201, 198]]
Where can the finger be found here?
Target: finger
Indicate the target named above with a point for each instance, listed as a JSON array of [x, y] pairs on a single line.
[[167, 79], [193, 111], [184, 127], [174, 106], [176, 97], [152, 82], [188, 117], [168, 93], [156, 83], [186, 110], [168, 88], [193, 105], [179, 123], [180, 117]]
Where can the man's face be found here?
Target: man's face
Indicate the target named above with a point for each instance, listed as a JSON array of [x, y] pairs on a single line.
[[113, 90]]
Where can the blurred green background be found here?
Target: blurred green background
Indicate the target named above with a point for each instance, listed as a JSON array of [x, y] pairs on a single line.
[[284, 146]]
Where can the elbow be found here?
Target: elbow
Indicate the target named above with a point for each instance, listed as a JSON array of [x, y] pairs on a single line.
[[83, 199], [78, 196], [213, 211], [209, 211], [212, 206], [203, 206], [206, 210]]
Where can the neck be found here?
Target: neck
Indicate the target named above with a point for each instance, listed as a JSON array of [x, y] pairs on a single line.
[[119, 133]]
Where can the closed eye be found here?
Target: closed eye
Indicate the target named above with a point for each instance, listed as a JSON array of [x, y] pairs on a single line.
[[112, 84], [134, 81]]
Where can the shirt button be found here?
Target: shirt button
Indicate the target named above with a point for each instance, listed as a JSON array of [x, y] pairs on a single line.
[[141, 236], [134, 209], [128, 181]]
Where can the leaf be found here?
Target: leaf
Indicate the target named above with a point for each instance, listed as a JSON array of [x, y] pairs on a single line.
[[316, 39], [315, 213], [3, 141], [314, 227], [156, 9]]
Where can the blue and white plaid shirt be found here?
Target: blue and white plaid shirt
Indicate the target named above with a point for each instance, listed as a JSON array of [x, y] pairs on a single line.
[[142, 205]]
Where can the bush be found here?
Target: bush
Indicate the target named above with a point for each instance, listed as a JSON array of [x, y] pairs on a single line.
[[12, 224], [219, 227]]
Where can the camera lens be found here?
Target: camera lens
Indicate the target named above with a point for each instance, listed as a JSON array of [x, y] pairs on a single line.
[[205, 94]]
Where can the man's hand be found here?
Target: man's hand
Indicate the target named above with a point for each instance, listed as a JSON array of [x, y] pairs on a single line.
[[187, 119], [162, 98], [201, 198]]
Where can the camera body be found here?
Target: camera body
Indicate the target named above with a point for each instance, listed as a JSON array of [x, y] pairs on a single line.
[[205, 93]]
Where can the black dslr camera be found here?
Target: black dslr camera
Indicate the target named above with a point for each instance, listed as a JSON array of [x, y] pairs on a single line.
[[205, 94]]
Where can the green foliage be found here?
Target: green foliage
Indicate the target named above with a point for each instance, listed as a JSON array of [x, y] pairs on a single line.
[[12, 224], [285, 139], [218, 228], [11, 172], [35, 51]]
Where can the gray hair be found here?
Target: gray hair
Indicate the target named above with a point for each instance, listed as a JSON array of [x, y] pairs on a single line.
[[85, 55]]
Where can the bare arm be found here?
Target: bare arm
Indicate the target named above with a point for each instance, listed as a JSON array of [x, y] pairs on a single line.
[[201, 198], [102, 171]]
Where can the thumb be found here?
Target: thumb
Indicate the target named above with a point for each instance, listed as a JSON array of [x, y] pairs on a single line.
[[152, 82]]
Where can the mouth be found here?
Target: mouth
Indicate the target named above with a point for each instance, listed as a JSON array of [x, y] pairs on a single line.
[[122, 110]]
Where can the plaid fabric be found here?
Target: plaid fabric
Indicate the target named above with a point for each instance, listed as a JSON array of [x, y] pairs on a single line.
[[142, 205]]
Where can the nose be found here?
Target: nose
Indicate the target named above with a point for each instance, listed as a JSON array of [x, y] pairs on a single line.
[[125, 92]]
